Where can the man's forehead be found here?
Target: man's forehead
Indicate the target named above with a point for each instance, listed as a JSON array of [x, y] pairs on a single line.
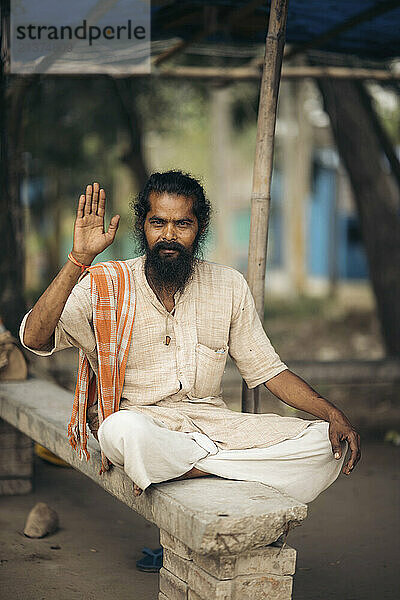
[[165, 202]]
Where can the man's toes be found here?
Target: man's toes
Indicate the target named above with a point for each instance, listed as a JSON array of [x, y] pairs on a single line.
[[137, 490]]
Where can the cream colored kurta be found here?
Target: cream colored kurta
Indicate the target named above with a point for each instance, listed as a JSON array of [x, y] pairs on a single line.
[[180, 384]]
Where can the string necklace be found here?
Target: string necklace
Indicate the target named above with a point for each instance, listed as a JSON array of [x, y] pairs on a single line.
[[167, 339]]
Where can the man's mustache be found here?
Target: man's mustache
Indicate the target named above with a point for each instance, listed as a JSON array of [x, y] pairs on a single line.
[[168, 246]]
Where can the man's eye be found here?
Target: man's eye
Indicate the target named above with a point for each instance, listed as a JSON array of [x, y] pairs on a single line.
[[183, 223]]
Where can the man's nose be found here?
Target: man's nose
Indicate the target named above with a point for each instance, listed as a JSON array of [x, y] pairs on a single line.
[[169, 232]]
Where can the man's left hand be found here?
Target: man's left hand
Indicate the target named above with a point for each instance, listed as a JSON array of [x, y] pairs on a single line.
[[340, 429]]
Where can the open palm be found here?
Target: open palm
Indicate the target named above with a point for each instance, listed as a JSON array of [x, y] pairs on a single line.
[[90, 237]]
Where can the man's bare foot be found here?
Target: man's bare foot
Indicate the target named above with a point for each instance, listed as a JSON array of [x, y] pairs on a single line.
[[137, 490], [189, 475], [93, 420]]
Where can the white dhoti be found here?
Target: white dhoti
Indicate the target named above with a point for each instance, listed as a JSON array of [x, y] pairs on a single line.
[[301, 467]]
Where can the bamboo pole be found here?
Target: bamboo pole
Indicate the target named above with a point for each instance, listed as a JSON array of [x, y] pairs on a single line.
[[292, 72], [232, 74], [262, 171]]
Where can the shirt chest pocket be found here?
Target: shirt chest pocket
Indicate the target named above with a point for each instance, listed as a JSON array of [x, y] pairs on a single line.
[[210, 365]]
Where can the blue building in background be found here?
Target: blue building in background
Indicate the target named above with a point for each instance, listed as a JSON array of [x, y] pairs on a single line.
[[334, 245]]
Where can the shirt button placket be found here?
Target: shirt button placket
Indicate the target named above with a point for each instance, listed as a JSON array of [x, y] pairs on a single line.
[[179, 355]]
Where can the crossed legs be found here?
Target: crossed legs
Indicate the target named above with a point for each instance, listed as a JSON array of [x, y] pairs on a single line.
[[150, 453]]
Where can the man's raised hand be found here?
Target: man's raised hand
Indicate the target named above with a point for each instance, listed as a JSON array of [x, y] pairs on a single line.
[[90, 237]]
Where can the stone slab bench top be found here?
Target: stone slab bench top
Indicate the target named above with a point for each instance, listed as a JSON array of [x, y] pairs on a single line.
[[210, 515]]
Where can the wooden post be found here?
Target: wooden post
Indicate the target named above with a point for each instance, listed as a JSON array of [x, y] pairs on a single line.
[[219, 154], [12, 305], [375, 193], [296, 173], [262, 172]]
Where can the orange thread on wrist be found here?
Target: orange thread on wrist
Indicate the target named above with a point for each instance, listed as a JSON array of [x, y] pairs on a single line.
[[78, 264]]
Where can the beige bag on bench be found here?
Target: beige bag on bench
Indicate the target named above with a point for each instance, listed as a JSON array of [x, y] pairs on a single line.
[[13, 365]]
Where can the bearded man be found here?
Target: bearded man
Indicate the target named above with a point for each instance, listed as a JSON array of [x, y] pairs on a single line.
[[171, 420]]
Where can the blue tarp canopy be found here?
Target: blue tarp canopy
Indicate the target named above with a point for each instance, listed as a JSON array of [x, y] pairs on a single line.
[[377, 37]]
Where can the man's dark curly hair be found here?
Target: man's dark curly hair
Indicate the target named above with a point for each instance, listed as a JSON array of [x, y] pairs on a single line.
[[172, 182]]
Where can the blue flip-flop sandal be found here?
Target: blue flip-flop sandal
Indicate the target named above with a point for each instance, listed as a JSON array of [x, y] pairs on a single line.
[[152, 561]]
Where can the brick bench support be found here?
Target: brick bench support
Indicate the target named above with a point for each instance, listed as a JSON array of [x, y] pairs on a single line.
[[255, 575], [16, 461]]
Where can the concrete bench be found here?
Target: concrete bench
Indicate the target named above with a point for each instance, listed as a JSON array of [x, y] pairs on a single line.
[[216, 533]]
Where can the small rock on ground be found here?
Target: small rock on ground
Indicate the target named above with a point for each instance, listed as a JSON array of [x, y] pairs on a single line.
[[42, 520]]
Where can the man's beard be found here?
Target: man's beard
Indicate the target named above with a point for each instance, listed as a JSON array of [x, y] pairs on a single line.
[[170, 272]]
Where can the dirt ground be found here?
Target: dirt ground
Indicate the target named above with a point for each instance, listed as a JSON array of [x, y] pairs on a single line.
[[348, 547]]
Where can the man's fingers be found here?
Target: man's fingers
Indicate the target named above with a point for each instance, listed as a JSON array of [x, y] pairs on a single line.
[[354, 444], [93, 201], [81, 206], [102, 203], [335, 443], [95, 198], [88, 203]]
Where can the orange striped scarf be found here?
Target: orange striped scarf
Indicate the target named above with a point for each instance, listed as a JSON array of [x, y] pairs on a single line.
[[114, 303]]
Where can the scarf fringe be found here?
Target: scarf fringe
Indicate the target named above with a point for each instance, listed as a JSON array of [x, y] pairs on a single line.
[[75, 441]]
